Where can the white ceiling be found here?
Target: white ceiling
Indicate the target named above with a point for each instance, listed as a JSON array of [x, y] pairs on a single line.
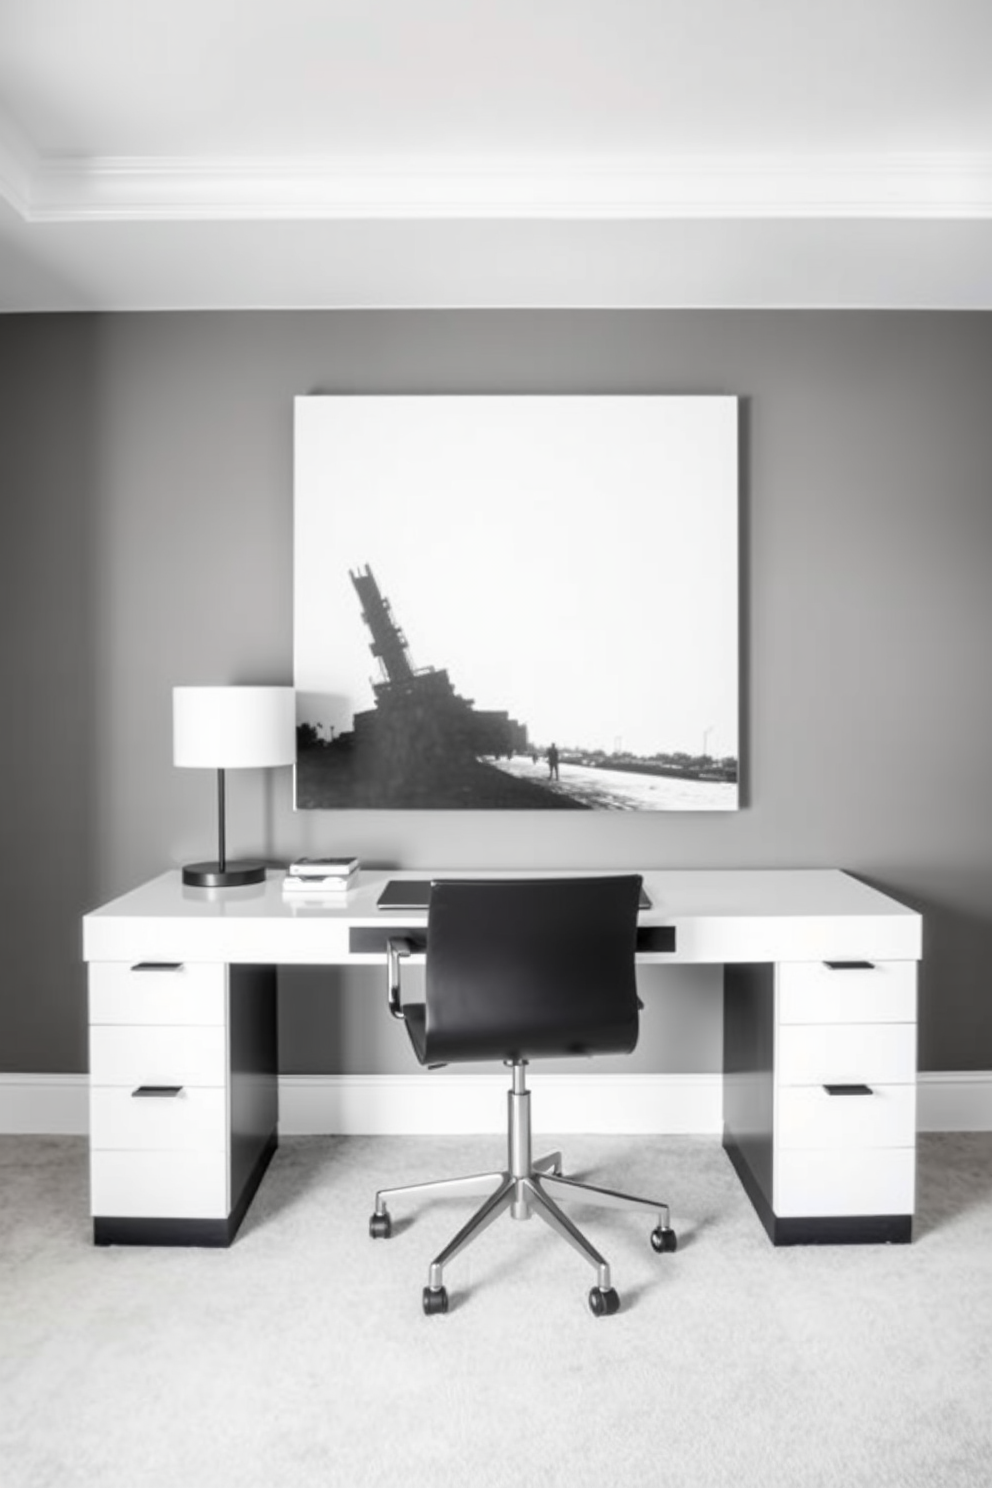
[[305, 153]]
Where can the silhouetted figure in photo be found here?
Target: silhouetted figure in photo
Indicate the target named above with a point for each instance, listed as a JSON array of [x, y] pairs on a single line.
[[553, 763]]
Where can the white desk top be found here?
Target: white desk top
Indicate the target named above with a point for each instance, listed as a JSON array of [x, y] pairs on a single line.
[[719, 915]]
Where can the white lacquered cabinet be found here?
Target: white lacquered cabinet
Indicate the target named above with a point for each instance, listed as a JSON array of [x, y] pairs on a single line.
[[820, 1095], [182, 1097], [159, 1090], [845, 1090]]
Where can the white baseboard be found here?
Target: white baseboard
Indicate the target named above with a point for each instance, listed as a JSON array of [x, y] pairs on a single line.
[[954, 1100], [45, 1105], [427, 1104], [423, 1103]]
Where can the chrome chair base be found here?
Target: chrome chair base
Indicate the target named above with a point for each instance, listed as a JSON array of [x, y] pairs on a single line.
[[525, 1187]]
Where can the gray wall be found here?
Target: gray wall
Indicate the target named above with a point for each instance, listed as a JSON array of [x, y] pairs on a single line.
[[146, 490]]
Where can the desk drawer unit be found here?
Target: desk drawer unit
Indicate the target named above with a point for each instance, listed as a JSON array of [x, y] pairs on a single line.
[[182, 1097], [159, 1090], [820, 1097], [845, 1096]]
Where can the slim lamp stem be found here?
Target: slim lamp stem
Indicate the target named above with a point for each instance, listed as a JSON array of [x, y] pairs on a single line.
[[221, 851]]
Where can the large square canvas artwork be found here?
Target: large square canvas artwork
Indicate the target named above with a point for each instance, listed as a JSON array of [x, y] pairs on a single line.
[[517, 602]]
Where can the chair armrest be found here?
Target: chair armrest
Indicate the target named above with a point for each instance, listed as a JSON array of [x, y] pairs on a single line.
[[398, 948]]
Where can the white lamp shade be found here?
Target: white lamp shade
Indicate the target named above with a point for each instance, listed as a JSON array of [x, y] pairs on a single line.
[[233, 728]]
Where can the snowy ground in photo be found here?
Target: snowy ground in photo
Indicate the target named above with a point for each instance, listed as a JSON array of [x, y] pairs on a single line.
[[620, 790]]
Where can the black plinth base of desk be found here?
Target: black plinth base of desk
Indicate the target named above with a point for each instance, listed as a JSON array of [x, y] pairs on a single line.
[[825, 1229], [214, 1233]]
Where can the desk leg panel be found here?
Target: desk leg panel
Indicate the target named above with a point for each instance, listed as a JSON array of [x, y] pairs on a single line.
[[254, 1078], [749, 1077]]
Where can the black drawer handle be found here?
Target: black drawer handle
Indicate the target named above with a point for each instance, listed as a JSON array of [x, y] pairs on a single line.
[[152, 1092], [850, 965], [849, 1090], [157, 966]]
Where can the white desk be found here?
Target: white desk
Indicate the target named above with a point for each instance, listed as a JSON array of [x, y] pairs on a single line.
[[819, 1060]]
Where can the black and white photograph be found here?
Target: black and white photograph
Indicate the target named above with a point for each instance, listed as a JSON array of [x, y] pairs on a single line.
[[517, 602]]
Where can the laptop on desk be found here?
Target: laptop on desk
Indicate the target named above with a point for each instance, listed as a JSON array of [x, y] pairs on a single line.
[[415, 893]]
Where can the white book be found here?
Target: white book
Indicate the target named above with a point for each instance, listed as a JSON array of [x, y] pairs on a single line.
[[323, 867], [312, 884]]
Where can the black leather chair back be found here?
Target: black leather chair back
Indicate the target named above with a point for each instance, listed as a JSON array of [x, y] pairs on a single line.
[[531, 968]]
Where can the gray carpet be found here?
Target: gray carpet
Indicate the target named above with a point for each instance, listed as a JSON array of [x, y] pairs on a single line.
[[301, 1356]]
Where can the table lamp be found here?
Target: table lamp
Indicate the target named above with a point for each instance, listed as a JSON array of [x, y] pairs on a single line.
[[231, 728]]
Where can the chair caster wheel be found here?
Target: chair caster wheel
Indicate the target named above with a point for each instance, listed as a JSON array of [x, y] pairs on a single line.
[[435, 1300], [380, 1226], [664, 1239], [603, 1303]]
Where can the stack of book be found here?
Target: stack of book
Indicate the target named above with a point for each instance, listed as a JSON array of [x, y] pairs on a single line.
[[320, 878]]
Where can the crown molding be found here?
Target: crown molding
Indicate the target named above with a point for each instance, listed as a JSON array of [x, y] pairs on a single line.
[[187, 189]]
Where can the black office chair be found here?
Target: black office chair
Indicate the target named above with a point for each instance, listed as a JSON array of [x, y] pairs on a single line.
[[519, 970]]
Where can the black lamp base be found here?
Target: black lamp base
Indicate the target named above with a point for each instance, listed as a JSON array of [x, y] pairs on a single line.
[[231, 876]]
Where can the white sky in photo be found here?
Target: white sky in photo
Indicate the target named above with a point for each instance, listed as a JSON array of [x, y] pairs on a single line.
[[571, 560]]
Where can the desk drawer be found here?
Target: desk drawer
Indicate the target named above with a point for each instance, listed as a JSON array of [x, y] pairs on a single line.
[[813, 992], [159, 1185], [151, 1055], [190, 992], [809, 1117], [818, 1184], [835, 1054], [195, 1118]]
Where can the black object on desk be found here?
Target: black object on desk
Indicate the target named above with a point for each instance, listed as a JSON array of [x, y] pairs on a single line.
[[415, 893]]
